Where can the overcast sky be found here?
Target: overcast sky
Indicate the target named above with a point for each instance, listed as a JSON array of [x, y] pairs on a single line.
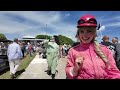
[[16, 24]]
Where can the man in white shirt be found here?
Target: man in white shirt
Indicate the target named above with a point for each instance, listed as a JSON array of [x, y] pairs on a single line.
[[14, 54]]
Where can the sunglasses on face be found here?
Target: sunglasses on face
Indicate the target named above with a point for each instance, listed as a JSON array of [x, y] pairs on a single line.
[[91, 20]]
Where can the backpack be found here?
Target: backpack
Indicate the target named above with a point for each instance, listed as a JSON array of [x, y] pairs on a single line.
[[112, 48]]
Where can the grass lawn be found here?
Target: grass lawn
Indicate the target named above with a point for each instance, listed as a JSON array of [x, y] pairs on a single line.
[[24, 63]]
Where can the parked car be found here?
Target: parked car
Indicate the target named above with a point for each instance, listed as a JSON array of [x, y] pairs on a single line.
[[4, 64]]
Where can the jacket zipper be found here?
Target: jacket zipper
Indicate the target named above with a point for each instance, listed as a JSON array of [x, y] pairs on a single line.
[[96, 75]]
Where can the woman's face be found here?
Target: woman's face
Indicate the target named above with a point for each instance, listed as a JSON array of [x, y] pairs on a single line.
[[86, 34]]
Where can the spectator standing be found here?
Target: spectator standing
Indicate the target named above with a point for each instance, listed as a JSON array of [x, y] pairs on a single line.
[[14, 54], [52, 50], [117, 51]]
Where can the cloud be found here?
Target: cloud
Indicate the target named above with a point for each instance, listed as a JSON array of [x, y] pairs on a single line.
[[102, 28], [51, 22], [41, 22], [34, 23], [67, 14], [99, 33], [110, 19], [117, 24]]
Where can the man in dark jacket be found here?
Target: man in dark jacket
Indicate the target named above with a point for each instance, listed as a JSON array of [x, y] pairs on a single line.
[[117, 51]]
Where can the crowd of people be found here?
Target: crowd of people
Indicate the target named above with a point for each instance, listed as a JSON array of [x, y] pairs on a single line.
[[49, 50], [114, 47]]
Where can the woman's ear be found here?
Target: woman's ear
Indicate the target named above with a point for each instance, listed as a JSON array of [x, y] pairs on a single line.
[[77, 32]]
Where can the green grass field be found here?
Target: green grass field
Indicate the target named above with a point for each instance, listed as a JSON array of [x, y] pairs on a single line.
[[24, 63]]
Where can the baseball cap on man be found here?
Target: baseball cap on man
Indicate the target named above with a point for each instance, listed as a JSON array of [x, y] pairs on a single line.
[[15, 39]]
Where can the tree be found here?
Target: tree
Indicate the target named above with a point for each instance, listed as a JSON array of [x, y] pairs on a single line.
[[65, 40], [2, 37], [42, 37], [62, 39]]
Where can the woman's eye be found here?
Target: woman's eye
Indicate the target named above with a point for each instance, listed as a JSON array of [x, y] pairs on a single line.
[[89, 31], [81, 31]]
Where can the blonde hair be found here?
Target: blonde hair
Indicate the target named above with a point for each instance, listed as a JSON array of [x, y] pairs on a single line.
[[98, 51]]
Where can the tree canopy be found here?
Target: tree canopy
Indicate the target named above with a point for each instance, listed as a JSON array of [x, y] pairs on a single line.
[[2, 37], [65, 40], [62, 39]]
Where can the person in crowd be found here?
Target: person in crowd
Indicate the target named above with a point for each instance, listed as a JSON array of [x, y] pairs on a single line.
[[22, 45], [107, 43], [52, 52], [89, 59], [14, 54], [30, 49], [117, 51], [60, 51]]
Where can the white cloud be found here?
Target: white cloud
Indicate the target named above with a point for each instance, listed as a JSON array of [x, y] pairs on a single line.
[[51, 18], [99, 33], [67, 14], [104, 19], [102, 28], [113, 21], [117, 24]]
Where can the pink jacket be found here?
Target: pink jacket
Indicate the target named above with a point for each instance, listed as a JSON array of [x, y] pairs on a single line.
[[93, 66]]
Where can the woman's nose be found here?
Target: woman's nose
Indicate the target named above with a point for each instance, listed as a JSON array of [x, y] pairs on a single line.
[[85, 33]]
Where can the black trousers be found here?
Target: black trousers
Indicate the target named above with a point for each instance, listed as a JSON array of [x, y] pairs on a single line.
[[23, 52]]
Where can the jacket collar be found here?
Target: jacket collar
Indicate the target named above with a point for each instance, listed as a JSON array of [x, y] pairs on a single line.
[[85, 45]]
